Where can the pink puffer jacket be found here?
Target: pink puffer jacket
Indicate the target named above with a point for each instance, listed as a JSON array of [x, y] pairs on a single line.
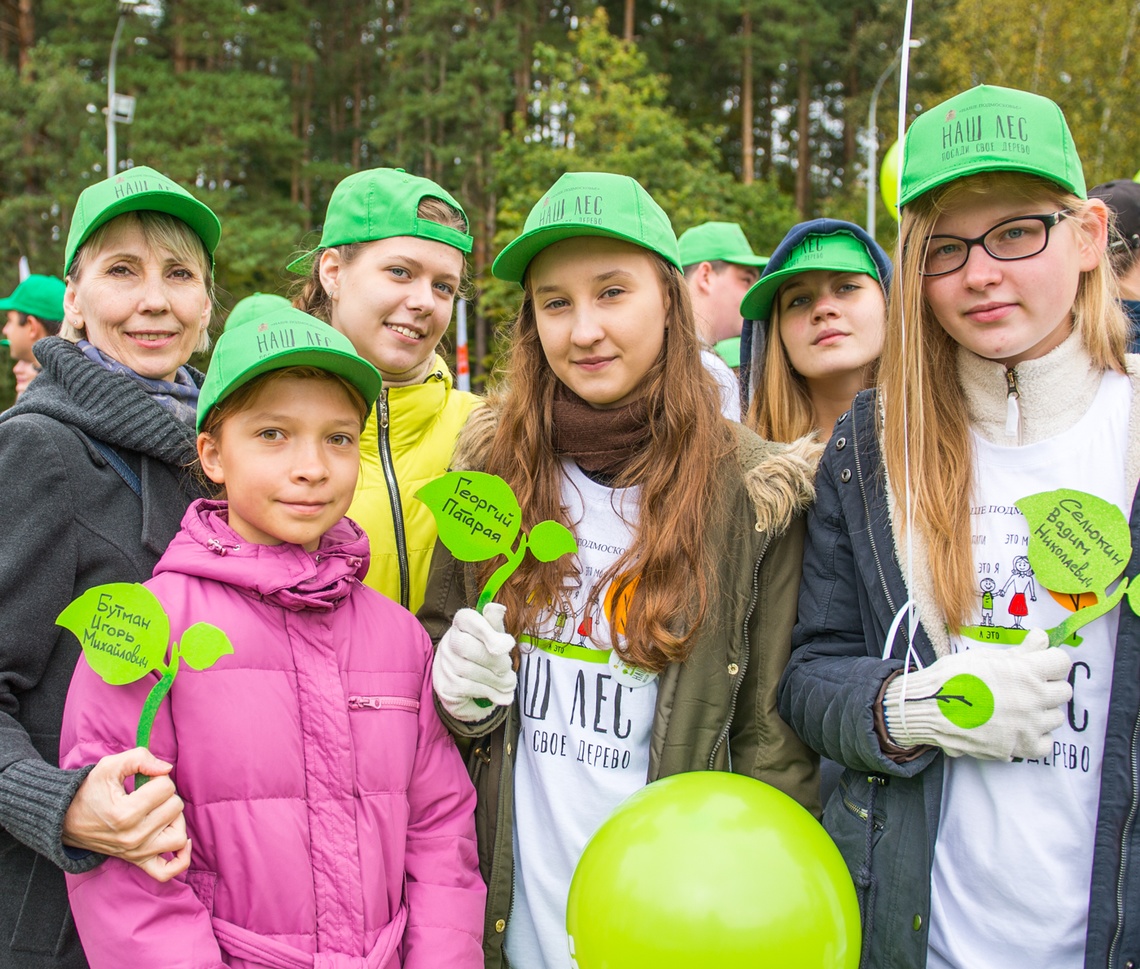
[[330, 812]]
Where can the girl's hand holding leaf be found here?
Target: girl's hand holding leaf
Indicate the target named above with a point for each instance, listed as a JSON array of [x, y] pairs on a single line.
[[993, 704], [473, 662]]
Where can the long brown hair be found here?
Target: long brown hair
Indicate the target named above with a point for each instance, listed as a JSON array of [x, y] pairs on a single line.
[[936, 428], [668, 570]]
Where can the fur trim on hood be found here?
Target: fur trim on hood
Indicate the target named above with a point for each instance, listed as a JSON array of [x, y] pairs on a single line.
[[779, 478]]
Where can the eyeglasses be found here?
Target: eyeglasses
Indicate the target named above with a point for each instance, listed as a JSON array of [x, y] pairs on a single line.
[[1011, 239]]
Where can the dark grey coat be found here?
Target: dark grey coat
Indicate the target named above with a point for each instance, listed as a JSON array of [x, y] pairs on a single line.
[[850, 591], [68, 522]]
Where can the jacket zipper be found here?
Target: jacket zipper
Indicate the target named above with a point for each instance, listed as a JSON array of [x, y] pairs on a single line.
[[389, 467], [1012, 405], [867, 510], [860, 812], [746, 654], [358, 702], [1124, 850]]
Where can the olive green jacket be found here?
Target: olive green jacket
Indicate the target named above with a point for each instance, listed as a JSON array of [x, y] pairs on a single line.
[[717, 709]]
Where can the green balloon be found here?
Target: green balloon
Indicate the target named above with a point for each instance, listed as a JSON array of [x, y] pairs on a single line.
[[712, 869], [889, 180]]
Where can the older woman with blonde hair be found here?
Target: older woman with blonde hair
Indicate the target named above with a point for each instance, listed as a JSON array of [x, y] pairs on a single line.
[[94, 457]]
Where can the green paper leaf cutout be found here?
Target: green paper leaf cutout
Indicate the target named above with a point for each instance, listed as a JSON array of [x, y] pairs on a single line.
[[965, 701], [202, 645], [122, 629], [549, 540], [1077, 541], [476, 513]]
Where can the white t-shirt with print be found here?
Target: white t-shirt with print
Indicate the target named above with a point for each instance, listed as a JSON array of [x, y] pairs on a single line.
[[1013, 857], [583, 742]]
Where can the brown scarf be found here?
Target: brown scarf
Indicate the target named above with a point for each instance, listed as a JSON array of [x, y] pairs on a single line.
[[598, 441]]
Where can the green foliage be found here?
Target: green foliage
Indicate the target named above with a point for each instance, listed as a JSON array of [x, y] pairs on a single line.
[[261, 108]]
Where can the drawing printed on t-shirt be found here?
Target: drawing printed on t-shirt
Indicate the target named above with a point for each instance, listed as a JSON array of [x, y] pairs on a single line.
[[1021, 580], [986, 587]]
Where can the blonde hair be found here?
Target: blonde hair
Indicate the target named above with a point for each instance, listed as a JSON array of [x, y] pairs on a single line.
[[160, 231], [309, 293], [936, 429], [667, 575], [781, 408]]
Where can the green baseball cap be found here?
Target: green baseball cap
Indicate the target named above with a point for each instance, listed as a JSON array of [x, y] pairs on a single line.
[[38, 296], [254, 306], [381, 203], [989, 129], [717, 240], [839, 252], [282, 337], [138, 189], [590, 204]]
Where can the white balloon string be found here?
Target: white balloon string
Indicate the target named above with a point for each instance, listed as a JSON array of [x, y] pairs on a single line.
[[904, 77]]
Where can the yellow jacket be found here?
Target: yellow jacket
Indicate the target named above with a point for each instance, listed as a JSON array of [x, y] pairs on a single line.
[[407, 442]]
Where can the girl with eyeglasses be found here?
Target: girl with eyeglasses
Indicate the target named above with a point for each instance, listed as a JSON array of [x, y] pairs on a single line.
[[990, 791]]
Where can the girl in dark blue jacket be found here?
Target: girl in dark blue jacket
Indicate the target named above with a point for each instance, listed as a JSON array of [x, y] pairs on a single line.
[[987, 808]]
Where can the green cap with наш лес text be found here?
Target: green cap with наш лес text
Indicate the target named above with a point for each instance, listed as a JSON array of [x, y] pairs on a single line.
[[254, 306], [282, 337], [711, 241], [138, 189], [839, 252], [38, 296], [989, 129], [590, 204], [382, 203]]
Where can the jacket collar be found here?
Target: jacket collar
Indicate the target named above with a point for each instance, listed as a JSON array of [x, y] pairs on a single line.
[[108, 407], [286, 575], [1053, 392], [414, 408]]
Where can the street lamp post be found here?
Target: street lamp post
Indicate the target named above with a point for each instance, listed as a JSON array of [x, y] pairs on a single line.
[[873, 135], [112, 146], [120, 109]]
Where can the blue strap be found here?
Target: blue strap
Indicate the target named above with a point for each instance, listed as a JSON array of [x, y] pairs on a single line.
[[115, 460]]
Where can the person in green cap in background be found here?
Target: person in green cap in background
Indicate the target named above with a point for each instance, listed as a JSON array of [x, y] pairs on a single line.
[[814, 328], [95, 460], [386, 273], [34, 310], [328, 808], [988, 806], [719, 267], [254, 306], [679, 602]]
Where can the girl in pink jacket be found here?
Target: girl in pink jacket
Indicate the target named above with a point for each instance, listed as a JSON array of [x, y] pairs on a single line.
[[329, 811]]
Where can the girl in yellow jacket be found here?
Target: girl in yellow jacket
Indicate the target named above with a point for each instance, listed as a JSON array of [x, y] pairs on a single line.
[[386, 273]]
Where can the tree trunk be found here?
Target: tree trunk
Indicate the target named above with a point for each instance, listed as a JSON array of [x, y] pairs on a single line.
[[747, 148], [25, 32], [803, 147], [627, 30]]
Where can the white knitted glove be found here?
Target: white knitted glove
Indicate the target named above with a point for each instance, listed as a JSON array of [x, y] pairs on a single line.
[[473, 660], [993, 704]]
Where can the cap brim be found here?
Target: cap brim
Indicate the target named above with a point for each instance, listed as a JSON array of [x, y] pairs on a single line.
[[358, 372], [511, 264], [303, 265], [757, 302], [188, 209], [987, 165]]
